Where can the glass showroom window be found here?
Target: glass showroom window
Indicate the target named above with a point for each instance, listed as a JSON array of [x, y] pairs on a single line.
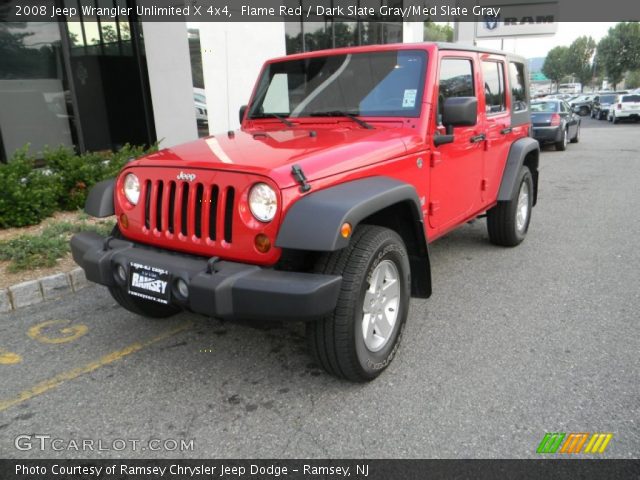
[[36, 102]]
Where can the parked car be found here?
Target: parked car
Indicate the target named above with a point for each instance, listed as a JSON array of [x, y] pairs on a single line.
[[557, 96], [601, 104], [321, 206], [554, 121], [582, 104], [625, 107]]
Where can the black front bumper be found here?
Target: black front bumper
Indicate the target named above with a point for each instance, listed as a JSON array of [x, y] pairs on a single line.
[[219, 289]]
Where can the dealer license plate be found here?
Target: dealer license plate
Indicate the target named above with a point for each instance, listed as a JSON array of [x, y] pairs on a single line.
[[150, 283]]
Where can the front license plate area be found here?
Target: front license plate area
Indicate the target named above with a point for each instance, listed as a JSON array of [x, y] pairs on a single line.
[[150, 283]]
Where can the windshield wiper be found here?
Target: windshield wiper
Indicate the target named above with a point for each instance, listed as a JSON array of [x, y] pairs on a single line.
[[275, 115], [340, 113]]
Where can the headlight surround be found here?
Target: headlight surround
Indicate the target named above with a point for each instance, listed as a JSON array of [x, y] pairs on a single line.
[[263, 202], [131, 188]]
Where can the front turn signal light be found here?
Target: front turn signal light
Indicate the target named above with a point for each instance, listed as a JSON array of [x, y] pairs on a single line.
[[262, 243], [124, 220]]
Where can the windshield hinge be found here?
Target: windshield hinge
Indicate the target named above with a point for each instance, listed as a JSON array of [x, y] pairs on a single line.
[[299, 176]]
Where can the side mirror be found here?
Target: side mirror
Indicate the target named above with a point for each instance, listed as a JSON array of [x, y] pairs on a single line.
[[460, 112], [243, 109], [457, 112]]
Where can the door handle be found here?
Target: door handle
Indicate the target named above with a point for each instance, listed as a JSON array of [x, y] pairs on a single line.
[[504, 131], [478, 138]]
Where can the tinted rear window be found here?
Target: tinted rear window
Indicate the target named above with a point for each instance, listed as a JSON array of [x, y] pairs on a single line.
[[630, 98], [544, 107], [607, 98]]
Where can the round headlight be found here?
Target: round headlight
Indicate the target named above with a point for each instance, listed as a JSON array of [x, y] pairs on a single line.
[[132, 188], [263, 202]]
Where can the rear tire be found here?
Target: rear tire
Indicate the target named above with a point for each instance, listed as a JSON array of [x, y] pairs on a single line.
[[562, 144], [358, 340], [139, 306], [508, 222], [576, 139]]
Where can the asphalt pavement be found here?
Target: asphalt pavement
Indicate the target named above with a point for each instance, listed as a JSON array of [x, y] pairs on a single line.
[[513, 343]]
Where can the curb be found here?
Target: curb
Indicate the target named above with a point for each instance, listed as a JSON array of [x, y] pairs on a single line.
[[37, 291]]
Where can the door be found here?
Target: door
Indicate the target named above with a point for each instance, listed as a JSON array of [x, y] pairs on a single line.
[[456, 167], [570, 118], [497, 124]]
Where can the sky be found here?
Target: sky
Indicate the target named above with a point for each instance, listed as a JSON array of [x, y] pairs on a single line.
[[530, 47]]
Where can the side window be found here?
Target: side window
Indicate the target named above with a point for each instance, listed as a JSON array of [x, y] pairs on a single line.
[[518, 90], [493, 74], [456, 80]]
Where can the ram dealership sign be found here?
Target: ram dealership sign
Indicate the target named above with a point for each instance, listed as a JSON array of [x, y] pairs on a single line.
[[519, 20]]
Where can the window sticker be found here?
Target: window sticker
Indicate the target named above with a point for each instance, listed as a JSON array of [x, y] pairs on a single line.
[[409, 100]]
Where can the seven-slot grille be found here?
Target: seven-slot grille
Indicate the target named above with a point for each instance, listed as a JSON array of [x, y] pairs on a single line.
[[189, 209]]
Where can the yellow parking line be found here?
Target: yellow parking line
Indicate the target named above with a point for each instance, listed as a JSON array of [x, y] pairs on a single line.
[[61, 378], [9, 358]]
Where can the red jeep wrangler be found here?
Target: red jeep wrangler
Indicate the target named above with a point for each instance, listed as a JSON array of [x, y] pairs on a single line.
[[348, 163]]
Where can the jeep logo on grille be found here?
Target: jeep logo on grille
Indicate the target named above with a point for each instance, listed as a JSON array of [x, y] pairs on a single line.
[[190, 177]]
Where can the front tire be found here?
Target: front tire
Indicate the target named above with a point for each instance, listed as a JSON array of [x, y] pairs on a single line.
[[139, 306], [358, 340], [508, 221]]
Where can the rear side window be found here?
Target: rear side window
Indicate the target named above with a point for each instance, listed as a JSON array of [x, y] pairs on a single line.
[[456, 80], [518, 90], [493, 74]]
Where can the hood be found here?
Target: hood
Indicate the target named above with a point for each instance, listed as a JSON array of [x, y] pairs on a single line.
[[320, 152]]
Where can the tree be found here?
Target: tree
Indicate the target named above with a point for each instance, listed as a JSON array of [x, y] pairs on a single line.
[[619, 51], [555, 65], [578, 59], [633, 79], [628, 36], [609, 59], [437, 33]]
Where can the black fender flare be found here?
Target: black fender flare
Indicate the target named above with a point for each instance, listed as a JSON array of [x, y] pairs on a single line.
[[516, 158], [100, 199], [313, 223]]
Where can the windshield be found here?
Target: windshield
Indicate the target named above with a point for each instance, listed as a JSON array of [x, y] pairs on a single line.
[[607, 98], [544, 107], [377, 84]]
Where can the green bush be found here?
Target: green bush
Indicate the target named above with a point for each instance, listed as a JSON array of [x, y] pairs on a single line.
[[75, 174], [119, 159], [78, 173], [44, 249], [27, 195]]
